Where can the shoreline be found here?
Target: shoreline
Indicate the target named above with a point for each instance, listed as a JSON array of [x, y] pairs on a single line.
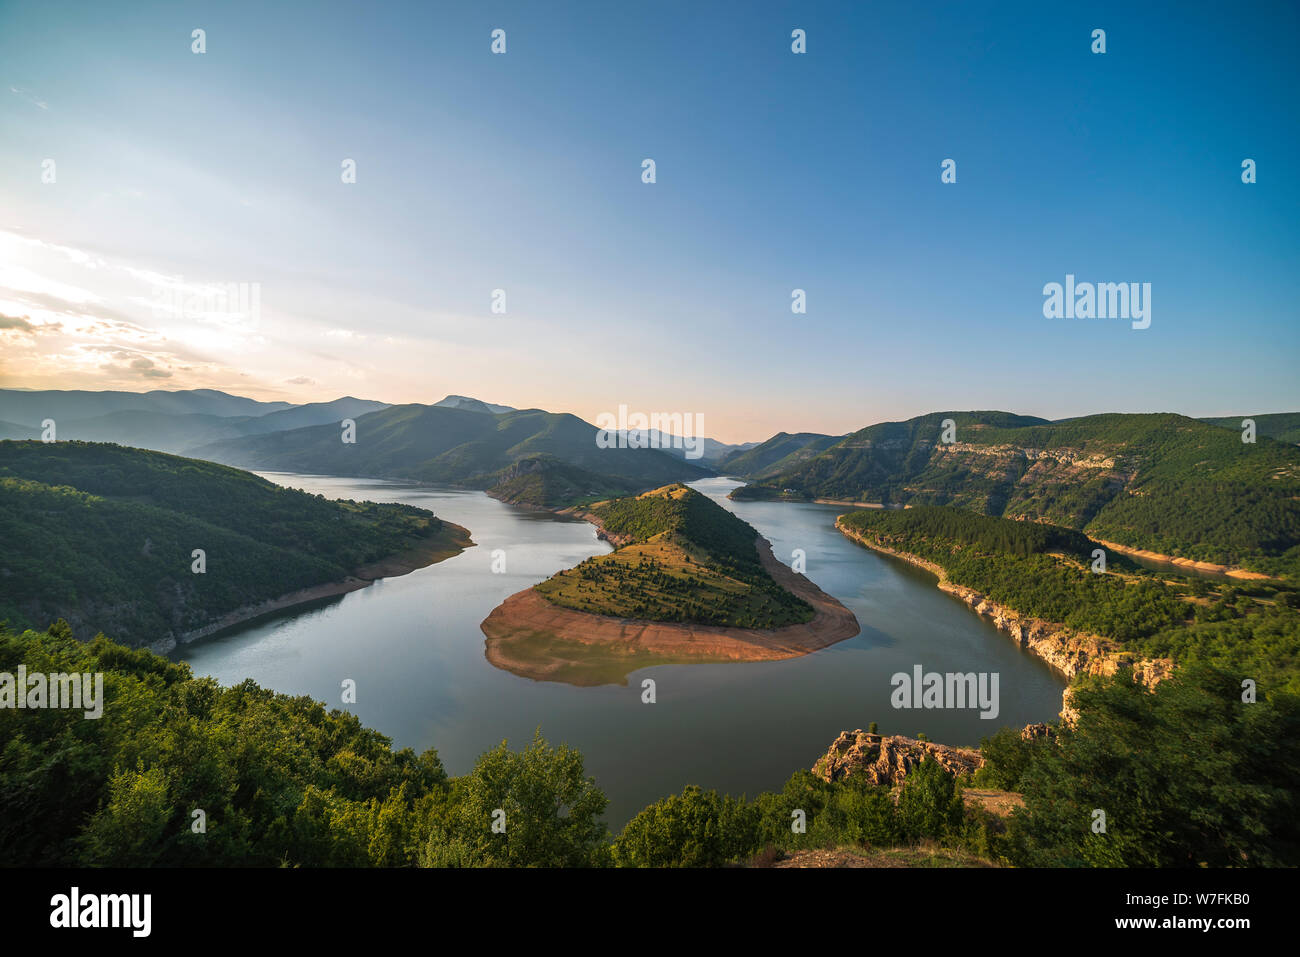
[[1068, 652], [1228, 571], [429, 551], [530, 637]]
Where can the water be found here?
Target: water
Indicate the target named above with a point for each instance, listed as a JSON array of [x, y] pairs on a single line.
[[414, 648]]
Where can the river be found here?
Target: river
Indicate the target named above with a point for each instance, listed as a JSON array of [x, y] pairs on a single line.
[[413, 646]]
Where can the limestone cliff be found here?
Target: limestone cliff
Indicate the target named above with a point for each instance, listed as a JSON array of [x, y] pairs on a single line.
[[1070, 652], [887, 759]]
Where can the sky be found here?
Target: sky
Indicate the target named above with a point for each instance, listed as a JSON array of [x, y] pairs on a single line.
[[179, 175]]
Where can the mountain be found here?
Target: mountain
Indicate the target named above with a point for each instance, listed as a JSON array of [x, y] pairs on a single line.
[[781, 452], [1283, 426], [153, 420], [1162, 482], [313, 413], [29, 408], [473, 405], [103, 536], [11, 430], [699, 449], [452, 446]]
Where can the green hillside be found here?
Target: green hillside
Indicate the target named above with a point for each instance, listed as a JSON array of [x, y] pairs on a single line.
[[687, 559], [1162, 482], [1283, 426], [453, 446], [1252, 628], [781, 452], [103, 536]]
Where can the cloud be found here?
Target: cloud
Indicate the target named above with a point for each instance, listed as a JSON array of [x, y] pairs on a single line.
[[300, 380], [29, 97], [14, 322]]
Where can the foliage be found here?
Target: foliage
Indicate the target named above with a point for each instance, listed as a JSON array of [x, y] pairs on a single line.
[[103, 535]]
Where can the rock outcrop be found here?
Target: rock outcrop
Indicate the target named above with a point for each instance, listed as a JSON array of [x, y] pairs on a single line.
[[887, 759]]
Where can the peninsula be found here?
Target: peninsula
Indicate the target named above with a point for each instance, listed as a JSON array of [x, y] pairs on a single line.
[[687, 582]]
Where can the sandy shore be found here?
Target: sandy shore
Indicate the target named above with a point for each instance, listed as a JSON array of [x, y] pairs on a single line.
[[449, 540], [529, 636], [1228, 570]]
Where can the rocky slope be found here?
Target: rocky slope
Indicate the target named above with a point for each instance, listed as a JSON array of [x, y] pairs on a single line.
[[887, 759]]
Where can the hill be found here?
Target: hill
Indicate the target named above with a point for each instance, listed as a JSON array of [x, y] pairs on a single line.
[[103, 536], [462, 447], [1044, 572], [1283, 426], [682, 558], [1161, 482], [781, 452]]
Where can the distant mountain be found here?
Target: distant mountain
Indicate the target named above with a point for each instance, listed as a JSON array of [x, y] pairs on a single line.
[[10, 430], [701, 450], [147, 426], [1283, 426], [159, 431], [1162, 482], [781, 452], [29, 408], [472, 405], [454, 446], [313, 413], [104, 536]]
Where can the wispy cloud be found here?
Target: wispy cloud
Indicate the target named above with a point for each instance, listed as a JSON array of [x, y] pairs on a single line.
[[29, 96]]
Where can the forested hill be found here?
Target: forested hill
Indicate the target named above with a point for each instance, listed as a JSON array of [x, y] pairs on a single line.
[[684, 558], [469, 448], [104, 536], [1247, 627], [1163, 482]]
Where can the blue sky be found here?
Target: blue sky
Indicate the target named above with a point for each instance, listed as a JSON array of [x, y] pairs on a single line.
[[775, 171]]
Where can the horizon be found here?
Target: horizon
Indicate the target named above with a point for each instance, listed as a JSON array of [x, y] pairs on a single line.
[[180, 177], [686, 433]]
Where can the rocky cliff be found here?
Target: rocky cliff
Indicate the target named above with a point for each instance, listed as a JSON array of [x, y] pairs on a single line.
[[1070, 652], [887, 759]]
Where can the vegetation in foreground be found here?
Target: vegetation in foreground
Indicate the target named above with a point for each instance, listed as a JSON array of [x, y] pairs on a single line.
[[689, 560], [1187, 774]]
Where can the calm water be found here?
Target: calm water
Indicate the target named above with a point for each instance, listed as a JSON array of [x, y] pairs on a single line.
[[414, 648]]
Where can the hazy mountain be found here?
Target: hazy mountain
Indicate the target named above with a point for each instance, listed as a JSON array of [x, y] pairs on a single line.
[[29, 408], [11, 430], [452, 446], [472, 405], [313, 413], [145, 426], [711, 451]]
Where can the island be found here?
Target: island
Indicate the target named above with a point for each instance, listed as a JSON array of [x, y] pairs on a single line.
[[688, 582]]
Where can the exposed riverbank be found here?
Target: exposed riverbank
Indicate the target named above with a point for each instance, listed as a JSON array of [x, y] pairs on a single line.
[[448, 541], [1228, 571]]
